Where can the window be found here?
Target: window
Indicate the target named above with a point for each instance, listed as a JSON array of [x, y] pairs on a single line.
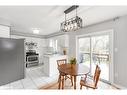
[[54, 44], [50, 43]]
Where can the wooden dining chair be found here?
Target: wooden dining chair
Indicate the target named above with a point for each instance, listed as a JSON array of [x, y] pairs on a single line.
[[63, 76], [91, 83]]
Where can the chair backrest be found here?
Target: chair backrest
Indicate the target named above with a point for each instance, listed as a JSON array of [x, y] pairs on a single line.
[[97, 75], [61, 61], [95, 71]]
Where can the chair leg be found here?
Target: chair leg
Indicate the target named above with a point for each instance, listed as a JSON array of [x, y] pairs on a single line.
[[65, 77], [62, 82], [59, 81], [72, 80], [58, 78], [80, 86]]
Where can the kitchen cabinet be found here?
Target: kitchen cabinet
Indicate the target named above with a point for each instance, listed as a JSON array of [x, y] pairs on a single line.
[[4, 31], [62, 42], [50, 64]]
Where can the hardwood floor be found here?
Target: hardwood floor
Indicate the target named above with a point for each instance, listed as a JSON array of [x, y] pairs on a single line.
[[54, 85]]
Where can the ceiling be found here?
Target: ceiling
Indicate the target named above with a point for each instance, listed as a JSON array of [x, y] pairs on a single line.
[[48, 18]]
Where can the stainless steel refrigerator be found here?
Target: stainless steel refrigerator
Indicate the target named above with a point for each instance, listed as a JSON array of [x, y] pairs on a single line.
[[12, 60]]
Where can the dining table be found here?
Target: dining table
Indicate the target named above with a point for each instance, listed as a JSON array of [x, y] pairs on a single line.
[[74, 70]]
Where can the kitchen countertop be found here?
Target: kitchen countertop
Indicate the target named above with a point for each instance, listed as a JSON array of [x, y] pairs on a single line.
[[53, 55]]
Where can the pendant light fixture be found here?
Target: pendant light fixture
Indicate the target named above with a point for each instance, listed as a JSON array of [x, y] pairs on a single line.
[[72, 24]]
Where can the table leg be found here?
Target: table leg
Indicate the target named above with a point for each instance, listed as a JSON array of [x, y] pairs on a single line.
[[74, 82]]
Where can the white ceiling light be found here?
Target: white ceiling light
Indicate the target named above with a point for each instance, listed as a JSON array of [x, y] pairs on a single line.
[[36, 31]]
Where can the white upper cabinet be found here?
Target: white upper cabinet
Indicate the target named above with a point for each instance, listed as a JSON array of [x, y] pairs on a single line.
[[4, 31], [58, 43]]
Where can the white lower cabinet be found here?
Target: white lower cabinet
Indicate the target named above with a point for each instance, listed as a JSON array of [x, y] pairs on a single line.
[[50, 64]]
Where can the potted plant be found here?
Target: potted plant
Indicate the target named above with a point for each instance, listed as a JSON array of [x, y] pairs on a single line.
[[73, 60]]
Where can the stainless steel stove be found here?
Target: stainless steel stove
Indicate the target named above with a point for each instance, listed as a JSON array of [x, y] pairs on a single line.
[[32, 58]]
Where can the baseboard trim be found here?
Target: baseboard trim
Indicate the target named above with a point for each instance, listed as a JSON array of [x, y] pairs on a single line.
[[112, 84], [118, 86]]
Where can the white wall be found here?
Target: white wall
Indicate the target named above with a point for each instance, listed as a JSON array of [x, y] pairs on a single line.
[[120, 27], [120, 38], [4, 31], [40, 44]]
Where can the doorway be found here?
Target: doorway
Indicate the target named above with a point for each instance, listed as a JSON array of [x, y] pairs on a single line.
[[95, 49]]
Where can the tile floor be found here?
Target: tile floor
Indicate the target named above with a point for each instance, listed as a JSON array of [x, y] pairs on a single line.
[[35, 78]]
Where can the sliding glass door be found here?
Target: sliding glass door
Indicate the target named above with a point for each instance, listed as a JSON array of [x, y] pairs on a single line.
[[100, 54], [84, 51], [94, 49]]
